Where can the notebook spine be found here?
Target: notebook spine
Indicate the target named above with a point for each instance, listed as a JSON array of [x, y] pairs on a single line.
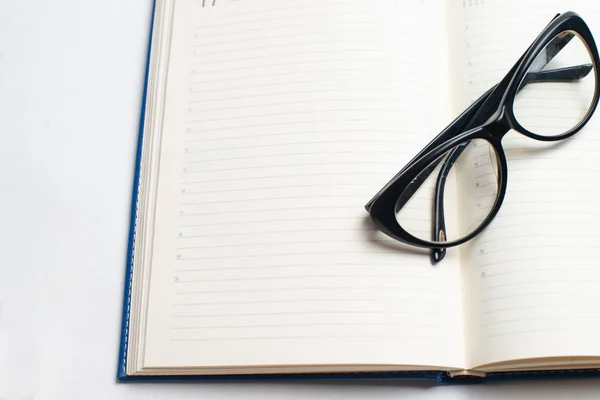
[[124, 342], [466, 373]]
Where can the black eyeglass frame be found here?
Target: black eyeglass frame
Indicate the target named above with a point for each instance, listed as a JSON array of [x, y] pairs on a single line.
[[497, 103]]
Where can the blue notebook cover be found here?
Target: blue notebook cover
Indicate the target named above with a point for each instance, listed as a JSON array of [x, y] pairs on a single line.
[[436, 377]]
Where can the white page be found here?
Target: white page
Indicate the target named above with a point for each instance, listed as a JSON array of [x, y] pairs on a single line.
[[283, 119], [532, 277]]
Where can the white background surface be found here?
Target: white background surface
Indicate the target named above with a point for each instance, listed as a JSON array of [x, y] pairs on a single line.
[[71, 74]]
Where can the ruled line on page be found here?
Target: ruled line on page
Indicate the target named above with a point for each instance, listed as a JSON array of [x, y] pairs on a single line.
[[253, 200], [252, 136], [251, 338], [274, 94], [311, 300], [297, 289], [546, 234], [270, 278], [323, 324], [360, 32], [284, 45], [288, 114], [285, 26], [291, 208], [301, 55], [204, 25], [272, 124], [356, 204], [292, 154], [287, 63], [312, 102], [527, 282], [527, 246], [294, 144], [304, 265], [523, 295], [303, 164], [289, 83], [267, 243], [360, 16], [527, 307], [325, 72], [291, 186], [544, 318], [310, 312], [302, 175], [525, 331], [316, 253]]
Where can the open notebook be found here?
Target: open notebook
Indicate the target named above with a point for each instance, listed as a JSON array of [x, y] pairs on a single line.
[[269, 124]]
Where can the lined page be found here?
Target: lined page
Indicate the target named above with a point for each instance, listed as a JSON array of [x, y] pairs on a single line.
[[533, 276], [285, 118]]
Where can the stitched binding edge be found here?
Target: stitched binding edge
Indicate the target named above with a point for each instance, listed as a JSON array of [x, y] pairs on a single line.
[[124, 346], [129, 289]]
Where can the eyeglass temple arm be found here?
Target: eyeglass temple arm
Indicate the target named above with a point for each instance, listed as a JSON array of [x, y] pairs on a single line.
[[568, 74]]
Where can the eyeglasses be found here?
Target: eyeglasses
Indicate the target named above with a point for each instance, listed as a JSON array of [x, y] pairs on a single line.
[[455, 186]]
